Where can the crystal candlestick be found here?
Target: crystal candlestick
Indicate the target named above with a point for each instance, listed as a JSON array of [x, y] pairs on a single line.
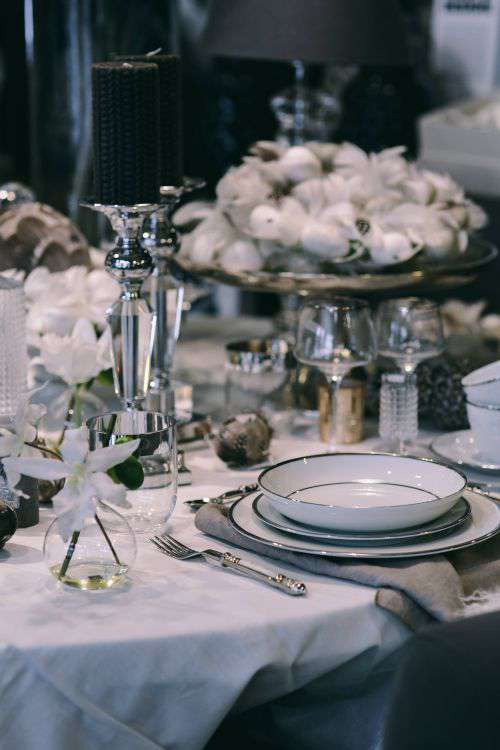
[[131, 319], [161, 240]]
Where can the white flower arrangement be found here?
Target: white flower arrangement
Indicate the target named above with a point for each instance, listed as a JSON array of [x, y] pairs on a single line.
[[85, 475], [67, 330], [306, 207], [467, 318]]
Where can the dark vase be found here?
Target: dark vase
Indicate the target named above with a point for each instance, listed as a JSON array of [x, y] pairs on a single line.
[[8, 523], [28, 512]]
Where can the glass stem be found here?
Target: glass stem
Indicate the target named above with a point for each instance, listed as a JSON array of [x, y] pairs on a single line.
[[408, 372], [335, 381]]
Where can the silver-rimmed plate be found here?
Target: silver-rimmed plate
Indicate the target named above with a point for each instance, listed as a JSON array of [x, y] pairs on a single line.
[[460, 448], [484, 524], [451, 521]]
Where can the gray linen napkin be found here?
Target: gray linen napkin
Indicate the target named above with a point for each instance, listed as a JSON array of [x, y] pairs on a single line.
[[418, 591]]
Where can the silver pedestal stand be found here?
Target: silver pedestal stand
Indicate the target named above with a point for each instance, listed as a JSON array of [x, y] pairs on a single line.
[[131, 319], [161, 240]]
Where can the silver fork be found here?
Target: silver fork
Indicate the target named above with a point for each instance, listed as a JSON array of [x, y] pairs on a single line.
[[173, 548]]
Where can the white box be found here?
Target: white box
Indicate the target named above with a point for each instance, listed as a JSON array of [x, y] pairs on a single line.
[[466, 45], [470, 154]]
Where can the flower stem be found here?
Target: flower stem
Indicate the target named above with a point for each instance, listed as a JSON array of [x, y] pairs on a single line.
[[78, 407], [69, 554], [106, 536], [44, 449]]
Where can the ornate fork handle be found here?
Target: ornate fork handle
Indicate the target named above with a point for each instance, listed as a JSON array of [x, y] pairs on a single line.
[[279, 581]]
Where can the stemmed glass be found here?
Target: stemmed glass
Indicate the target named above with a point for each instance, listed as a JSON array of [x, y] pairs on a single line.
[[335, 336], [409, 331]]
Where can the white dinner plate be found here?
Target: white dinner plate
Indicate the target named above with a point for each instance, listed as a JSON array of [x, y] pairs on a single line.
[[362, 491], [485, 523], [457, 516], [460, 448]]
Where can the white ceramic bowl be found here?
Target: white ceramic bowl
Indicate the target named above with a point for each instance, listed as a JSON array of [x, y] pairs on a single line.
[[362, 491], [485, 425], [483, 385]]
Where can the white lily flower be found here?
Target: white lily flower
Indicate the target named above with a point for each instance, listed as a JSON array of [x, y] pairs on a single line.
[[299, 163], [77, 358], [84, 473], [23, 429], [57, 300]]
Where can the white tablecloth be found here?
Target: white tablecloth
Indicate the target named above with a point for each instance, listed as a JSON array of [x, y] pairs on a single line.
[[161, 661]]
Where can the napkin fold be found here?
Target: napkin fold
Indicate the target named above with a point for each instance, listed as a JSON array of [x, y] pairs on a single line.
[[418, 591]]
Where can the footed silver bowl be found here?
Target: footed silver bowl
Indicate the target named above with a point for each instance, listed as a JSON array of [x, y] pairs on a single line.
[[351, 279]]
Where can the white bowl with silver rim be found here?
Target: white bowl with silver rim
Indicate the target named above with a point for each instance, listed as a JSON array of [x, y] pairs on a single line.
[[483, 385], [485, 425], [362, 491]]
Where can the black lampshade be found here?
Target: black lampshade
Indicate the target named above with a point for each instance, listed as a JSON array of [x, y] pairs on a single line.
[[345, 32]]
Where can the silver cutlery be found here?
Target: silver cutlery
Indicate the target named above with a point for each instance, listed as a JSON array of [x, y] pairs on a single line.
[[173, 548], [484, 487], [245, 489]]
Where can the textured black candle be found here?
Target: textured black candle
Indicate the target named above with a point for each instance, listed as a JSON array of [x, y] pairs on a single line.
[[171, 161], [126, 133]]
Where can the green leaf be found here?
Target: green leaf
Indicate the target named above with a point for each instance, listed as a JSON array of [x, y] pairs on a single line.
[[105, 377], [129, 472]]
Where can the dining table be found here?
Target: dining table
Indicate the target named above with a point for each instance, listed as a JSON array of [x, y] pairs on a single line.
[[163, 660]]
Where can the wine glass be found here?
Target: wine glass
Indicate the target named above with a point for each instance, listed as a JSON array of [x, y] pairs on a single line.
[[409, 330], [335, 336]]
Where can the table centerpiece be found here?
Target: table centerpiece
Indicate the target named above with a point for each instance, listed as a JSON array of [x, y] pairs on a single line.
[[330, 217]]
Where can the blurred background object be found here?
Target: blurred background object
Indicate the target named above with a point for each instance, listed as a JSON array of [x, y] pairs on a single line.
[[46, 47]]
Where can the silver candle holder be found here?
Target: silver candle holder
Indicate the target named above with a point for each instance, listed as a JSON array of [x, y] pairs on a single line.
[[131, 319], [161, 239]]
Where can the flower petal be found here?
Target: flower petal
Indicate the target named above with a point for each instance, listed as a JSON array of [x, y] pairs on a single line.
[[75, 445], [73, 508], [39, 468], [103, 459], [108, 490]]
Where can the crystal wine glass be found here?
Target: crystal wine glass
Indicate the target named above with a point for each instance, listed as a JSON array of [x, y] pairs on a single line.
[[335, 336], [409, 330]]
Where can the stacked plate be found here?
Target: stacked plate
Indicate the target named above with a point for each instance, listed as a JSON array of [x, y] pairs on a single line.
[[365, 505]]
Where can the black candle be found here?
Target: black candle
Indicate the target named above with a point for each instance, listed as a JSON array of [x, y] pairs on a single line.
[[171, 158], [126, 132]]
